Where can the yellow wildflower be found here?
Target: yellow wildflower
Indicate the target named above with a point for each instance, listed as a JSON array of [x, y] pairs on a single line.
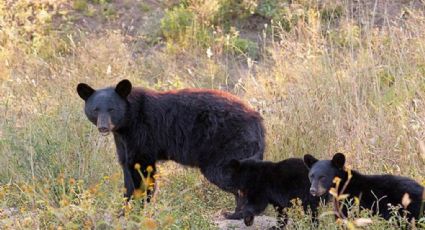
[[150, 182], [356, 201], [71, 181], [337, 180], [138, 193], [168, 220], [137, 166], [149, 223]]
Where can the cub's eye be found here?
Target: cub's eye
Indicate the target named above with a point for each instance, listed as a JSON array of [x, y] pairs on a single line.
[[110, 110], [96, 110], [321, 177]]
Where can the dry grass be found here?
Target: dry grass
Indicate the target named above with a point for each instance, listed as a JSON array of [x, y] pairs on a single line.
[[322, 87]]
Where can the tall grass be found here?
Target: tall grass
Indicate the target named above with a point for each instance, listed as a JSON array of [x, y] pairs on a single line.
[[363, 97], [323, 81]]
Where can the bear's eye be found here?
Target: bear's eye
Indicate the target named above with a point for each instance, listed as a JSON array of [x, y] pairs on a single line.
[[110, 110], [321, 177], [96, 110]]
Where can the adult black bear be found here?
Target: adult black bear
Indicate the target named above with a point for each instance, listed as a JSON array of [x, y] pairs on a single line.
[[374, 191], [261, 183], [194, 127]]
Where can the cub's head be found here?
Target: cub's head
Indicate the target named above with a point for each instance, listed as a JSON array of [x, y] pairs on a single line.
[[106, 108], [322, 172]]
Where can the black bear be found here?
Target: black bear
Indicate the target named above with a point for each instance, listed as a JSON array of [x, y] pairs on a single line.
[[261, 183], [195, 127], [375, 192]]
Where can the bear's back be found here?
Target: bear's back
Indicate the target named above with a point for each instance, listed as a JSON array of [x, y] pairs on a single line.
[[196, 100], [288, 174], [397, 186]]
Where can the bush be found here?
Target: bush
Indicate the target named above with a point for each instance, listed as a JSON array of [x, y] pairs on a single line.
[[245, 46], [176, 22]]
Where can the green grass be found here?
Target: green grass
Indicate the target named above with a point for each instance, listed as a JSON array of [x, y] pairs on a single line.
[[323, 82]]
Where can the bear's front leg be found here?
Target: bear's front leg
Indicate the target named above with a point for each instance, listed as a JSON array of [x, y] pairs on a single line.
[[233, 215], [123, 155], [240, 202], [256, 204], [128, 182]]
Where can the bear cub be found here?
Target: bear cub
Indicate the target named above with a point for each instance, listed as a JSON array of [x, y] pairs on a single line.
[[261, 183], [387, 189]]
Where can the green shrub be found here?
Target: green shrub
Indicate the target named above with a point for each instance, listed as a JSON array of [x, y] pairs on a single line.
[[80, 5], [176, 22], [231, 10], [330, 14], [245, 46]]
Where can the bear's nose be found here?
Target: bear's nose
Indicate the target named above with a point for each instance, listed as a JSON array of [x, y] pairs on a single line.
[[103, 129], [313, 191]]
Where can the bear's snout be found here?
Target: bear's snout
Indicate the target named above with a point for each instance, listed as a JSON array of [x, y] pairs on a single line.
[[313, 191], [104, 124]]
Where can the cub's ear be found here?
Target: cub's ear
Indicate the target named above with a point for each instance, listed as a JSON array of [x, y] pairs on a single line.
[[123, 88], [338, 160], [309, 160], [85, 91], [235, 164]]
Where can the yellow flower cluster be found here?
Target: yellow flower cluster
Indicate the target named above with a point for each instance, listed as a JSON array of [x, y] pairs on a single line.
[[148, 182]]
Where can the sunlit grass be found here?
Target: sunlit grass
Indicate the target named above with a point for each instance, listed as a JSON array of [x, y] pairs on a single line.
[[321, 86]]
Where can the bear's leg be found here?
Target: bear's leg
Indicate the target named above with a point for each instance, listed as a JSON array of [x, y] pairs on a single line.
[[221, 177], [254, 206], [249, 220], [233, 215], [128, 182], [237, 215], [122, 158], [239, 200]]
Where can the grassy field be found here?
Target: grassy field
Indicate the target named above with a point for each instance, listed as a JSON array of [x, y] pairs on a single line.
[[327, 76]]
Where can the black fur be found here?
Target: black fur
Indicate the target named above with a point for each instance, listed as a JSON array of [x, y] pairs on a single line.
[[388, 189], [261, 183], [194, 127]]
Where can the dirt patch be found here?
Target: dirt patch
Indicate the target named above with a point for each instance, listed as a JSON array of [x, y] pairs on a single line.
[[260, 222]]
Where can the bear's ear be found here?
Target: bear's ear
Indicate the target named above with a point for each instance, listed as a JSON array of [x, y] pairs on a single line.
[[123, 88], [235, 164], [309, 160], [85, 91], [338, 160]]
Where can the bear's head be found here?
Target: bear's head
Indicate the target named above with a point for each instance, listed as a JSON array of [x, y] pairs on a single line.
[[322, 172], [106, 108]]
